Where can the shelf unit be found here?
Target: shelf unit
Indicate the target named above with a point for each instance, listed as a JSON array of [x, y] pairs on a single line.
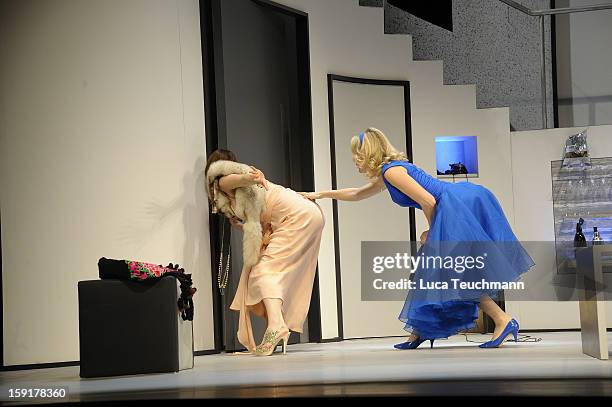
[[581, 192]]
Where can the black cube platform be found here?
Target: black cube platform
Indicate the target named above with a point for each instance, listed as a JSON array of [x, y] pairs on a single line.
[[128, 327]]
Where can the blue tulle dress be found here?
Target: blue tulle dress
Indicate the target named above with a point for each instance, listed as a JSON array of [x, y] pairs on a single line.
[[468, 221]]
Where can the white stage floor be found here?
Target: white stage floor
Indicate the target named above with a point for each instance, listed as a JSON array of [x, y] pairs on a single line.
[[557, 356]]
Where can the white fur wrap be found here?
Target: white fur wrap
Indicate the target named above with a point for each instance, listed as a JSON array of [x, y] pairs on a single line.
[[250, 201]]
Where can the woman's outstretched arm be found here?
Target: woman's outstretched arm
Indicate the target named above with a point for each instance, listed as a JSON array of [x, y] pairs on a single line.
[[349, 194]]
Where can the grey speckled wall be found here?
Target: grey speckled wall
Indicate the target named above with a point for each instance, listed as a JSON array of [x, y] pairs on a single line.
[[493, 46]]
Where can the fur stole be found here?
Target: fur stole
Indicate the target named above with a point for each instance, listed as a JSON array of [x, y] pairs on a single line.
[[249, 203]]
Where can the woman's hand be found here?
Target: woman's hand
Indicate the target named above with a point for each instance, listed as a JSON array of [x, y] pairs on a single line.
[[265, 238], [258, 177], [236, 223], [424, 236], [311, 195]]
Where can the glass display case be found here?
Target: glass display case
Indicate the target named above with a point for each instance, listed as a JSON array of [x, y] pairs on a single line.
[[456, 156], [581, 192]]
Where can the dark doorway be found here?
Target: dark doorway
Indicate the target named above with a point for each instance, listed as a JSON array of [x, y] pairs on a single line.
[[257, 104]]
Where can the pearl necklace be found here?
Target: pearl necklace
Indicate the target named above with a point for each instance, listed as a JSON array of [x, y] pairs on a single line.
[[223, 275]]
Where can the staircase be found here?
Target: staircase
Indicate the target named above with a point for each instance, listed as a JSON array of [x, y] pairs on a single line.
[[503, 62]]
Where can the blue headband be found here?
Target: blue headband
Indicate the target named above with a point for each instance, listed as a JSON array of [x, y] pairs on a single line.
[[361, 139]]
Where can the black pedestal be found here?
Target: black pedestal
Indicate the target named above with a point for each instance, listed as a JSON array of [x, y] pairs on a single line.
[[128, 327]]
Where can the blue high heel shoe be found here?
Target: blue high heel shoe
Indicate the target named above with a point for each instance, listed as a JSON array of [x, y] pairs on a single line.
[[511, 328], [412, 345]]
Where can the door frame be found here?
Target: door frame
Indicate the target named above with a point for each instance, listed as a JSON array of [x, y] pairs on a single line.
[[216, 136], [332, 149]]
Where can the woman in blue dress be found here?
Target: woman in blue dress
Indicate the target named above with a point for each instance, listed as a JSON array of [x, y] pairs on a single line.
[[464, 219]]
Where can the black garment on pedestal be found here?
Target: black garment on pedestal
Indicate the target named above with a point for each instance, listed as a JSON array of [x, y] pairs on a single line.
[[119, 270]]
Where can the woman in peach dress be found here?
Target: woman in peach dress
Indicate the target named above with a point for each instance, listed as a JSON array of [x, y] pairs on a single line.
[[279, 287]]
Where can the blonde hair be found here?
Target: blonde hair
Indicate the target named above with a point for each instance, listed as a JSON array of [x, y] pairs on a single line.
[[375, 151]]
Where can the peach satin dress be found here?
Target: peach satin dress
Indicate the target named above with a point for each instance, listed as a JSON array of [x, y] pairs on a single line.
[[287, 266]]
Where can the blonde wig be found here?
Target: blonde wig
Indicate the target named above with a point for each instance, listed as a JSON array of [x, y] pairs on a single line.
[[375, 151]]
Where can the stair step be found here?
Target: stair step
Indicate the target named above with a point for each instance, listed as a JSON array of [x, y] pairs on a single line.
[[430, 72], [371, 13], [465, 93]]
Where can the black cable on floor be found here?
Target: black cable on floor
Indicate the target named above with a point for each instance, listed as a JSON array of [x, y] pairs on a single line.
[[521, 338]]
